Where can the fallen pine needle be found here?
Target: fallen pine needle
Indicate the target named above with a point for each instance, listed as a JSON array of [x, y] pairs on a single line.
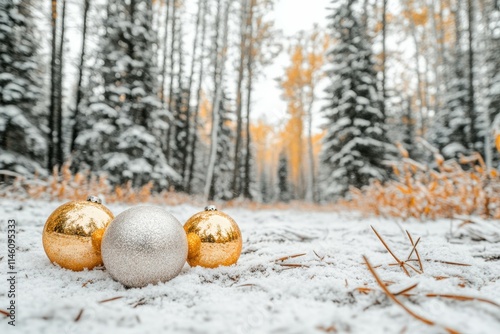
[[416, 250], [413, 268], [141, 301], [319, 257], [395, 300], [364, 290], [110, 299], [79, 315], [246, 284], [401, 263], [293, 265], [406, 290], [5, 313], [452, 263], [330, 329], [465, 298], [290, 257]]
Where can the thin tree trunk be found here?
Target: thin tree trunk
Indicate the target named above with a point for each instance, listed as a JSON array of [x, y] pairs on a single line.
[[438, 61], [470, 102], [192, 159], [164, 75], [221, 56], [171, 103], [239, 119], [310, 191], [79, 89], [420, 92], [384, 34], [59, 113], [164, 62], [246, 186], [53, 88], [190, 83]]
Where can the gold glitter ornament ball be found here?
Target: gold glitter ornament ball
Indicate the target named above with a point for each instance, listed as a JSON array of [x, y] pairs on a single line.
[[71, 235], [214, 239]]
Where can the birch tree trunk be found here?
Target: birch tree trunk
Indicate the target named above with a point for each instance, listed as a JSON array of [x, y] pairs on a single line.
[[194, 140], [236, 183], [190, 83], [246, 185], [220, 59], [79, 89], [310, 190], [59, 112], [470, 101], [171, 105], [53, 87]]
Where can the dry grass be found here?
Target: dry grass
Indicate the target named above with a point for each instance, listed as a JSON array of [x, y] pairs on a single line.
[[65, 185], [409, 291], [403, 306], [451, 189]]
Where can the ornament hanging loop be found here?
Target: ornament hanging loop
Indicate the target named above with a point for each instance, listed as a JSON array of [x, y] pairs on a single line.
[[94, 199], [210, 208]]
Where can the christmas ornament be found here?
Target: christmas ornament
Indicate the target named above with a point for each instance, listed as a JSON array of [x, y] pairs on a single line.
[[214, 239], [69, 235], [144, 245]]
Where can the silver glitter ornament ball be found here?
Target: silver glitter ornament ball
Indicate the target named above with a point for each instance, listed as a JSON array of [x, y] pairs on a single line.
[[144, 245]]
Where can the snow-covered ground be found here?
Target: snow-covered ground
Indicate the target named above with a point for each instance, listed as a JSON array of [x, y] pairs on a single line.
[[259, 294]]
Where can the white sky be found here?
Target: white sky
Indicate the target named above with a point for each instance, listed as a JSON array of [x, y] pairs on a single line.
[[290, 16]]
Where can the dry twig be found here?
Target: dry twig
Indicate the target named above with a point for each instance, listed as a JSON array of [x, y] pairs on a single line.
[[399, 303]]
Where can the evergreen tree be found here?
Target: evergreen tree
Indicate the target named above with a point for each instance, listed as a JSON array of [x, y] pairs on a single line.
[[493, 59], [124, 118], [456, 121], [458, 125], [23, 146], [283, 185], [355, 144], [179, 129]]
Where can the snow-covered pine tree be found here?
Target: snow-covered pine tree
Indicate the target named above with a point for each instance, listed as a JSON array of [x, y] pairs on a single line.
[[179, 130], [22, 144], [124, 118], [355, 145], [458, 123], [455, 139], [492, 15], [223, 169]]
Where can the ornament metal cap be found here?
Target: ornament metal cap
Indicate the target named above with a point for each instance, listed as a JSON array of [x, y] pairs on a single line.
[[94, 199], [210, 208]]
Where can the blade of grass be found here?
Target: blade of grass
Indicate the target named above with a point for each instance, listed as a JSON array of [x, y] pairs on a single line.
[[464, 298], [294, 265], [399, 303], [405, 290], [401, 264], [416, 251], [452, 263], [79, 315], [289, 257], [110, 299]]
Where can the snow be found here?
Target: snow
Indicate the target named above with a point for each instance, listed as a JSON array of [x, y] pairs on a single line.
[[258, 295]]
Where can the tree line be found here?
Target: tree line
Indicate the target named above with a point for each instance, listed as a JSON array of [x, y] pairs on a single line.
[[150, 105]]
